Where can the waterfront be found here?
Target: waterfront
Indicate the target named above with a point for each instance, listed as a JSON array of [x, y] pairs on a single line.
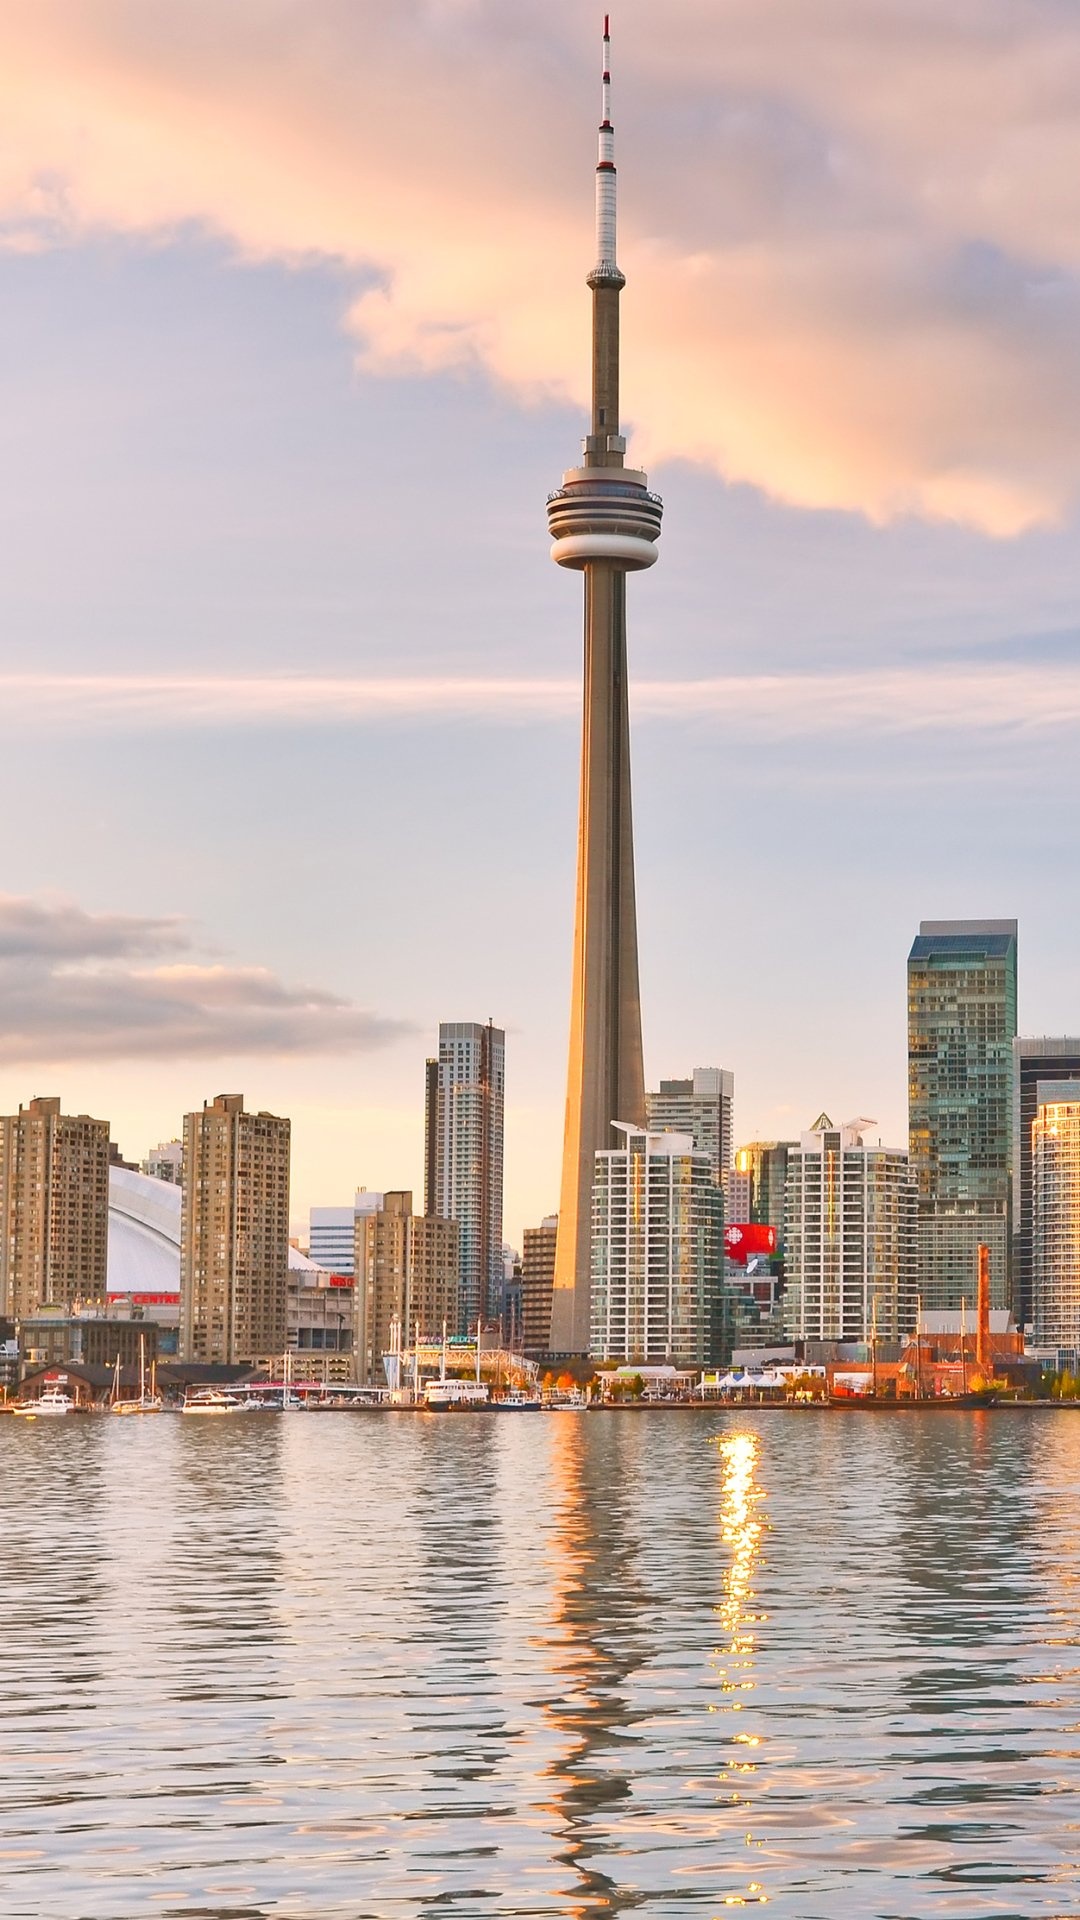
[[366, 1668]]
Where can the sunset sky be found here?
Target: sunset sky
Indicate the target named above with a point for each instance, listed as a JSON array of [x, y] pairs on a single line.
[[294, 342]]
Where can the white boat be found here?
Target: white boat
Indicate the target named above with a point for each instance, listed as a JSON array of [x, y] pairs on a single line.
[[52, 1403], [455, 1396], [212, 1401]]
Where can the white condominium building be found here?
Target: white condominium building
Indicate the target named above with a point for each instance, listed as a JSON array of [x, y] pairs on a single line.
[[657, 1252], [1055, 1237], [701, 1107], [850, 1236]]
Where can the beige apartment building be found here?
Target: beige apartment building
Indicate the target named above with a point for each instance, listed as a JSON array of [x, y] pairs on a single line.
[[537, 1281], [407, 1267], [234, 1234], [54, 1208]]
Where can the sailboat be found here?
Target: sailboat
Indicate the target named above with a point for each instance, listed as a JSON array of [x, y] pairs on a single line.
[[146, 1402]]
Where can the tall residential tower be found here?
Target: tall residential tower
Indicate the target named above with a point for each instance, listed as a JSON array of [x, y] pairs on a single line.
[[463, 1178], [605, 523]]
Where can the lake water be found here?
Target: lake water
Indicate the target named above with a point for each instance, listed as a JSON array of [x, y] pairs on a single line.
[[607, 1664]]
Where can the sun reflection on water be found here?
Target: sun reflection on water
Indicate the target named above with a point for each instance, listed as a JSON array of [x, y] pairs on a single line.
[[742, 1528]]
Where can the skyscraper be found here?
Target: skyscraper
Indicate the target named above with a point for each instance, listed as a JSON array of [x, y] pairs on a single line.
[[700, 1107], [961, 1026], [850, 1236], [605, 523], [54, 1208], [464, 1118], [537, 1280], [1033, 1061], [406, 1270], [234, 1233], [1055, 1218], [657, 1288]]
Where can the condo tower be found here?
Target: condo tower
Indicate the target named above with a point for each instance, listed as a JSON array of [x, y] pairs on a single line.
[[605, 523]]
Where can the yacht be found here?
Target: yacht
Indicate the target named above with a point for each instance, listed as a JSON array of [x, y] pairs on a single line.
[[211, 1400], [53, 1402]]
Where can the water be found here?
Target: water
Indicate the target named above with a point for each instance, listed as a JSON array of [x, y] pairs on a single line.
[[355, 1667]]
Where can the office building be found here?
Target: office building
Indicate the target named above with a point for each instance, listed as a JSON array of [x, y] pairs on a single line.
[[407, 1269], [165, 1162], [961, 1027], [234, 1233], [1055, 1219], [537, 1281], [850, 1236], [1034, 1060], [464, 1118], [604, 523], [701, 1107], [657, 1293], [54, 1209], [97, 1336], [763, 1166], [319, 1323], [332, 1231]]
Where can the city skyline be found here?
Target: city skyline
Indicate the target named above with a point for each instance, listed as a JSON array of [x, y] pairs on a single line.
[[223, 438]]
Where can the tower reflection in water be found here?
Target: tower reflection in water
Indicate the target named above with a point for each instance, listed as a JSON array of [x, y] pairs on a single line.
[[602, 1637], [741, 1529]]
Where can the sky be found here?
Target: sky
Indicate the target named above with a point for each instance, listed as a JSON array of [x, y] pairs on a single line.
[[294, 343]]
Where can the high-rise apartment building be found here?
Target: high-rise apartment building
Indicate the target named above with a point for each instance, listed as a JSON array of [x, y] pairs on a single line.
[[54, 1208], [701, 1107], [408, 1270], [961, 1027], [1055, 1218], [1034, 1061], [850, 1236], [763, 1165], [234, 1233], [537, 1280], [464, 1119], [657, 1293]]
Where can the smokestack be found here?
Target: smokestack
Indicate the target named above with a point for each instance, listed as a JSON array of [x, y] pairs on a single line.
[[982, 1327]]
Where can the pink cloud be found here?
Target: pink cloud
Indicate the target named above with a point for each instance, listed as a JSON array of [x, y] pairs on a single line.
[[852, 230]]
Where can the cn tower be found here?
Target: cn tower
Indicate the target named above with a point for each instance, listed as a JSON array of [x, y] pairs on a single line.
[[605, 523]]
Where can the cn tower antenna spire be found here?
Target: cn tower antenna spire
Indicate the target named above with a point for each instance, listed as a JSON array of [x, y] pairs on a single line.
[[606, 267]]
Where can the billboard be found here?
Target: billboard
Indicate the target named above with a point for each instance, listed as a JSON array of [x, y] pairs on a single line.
[[744, 1238]]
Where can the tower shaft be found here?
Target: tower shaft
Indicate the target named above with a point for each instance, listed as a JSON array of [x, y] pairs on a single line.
[[605, 523]]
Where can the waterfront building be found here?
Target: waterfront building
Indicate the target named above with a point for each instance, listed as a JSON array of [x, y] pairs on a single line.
[[234, 1242], [1055, 1219], [407, 1270], [98, 1336], [537, 1281], [464, 1166], [604, 523], [849, 1235], [657, 1290], [165, 1162], [961, 1027], [1034, 1060], [54, 1208], [701, 1107]]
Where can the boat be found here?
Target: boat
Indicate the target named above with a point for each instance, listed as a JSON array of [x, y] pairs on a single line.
[[147, 1402], [52, 1403], [456, 1396], [517, 1401], [212, 1401]]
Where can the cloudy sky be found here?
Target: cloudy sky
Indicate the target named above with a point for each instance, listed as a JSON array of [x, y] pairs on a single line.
[[293, 343]]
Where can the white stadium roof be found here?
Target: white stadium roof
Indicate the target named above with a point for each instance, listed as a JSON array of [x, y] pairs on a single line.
[[144, 1235]]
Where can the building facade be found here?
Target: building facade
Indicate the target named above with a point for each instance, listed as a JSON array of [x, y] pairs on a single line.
[[332, 1231], [702, 1107], [234, 1233], [537, 1281], [850, 1236], [1034, 1060], [54, 1209], [961, 981], [165, 1162], [464, 1119], [407, 1269], [1055, 1218], [657, 1292]]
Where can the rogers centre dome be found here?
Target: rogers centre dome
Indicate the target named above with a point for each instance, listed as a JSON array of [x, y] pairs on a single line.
[[144, 1237]]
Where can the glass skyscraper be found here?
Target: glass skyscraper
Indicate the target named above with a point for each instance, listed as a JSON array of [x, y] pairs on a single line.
[[463, 1175], [961, 979], [1034, 1060]]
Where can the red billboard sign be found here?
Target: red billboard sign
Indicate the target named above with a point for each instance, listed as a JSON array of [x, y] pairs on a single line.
[[745, 1238]]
